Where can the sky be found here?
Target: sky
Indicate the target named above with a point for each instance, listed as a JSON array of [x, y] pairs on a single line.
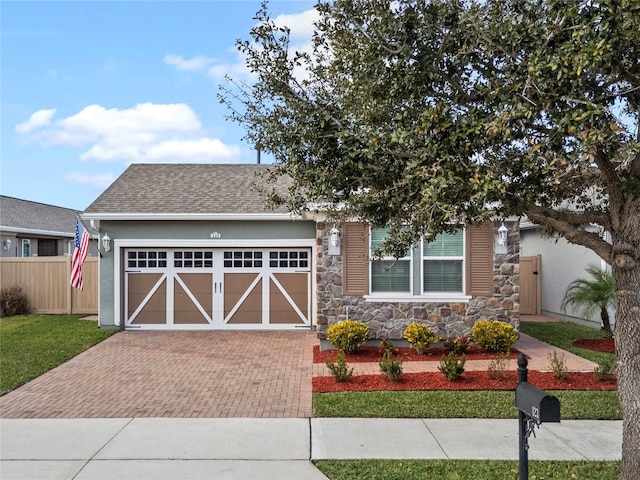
[[89, 87]]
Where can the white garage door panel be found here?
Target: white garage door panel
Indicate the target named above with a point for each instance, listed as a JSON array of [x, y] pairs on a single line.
[[217, 288]]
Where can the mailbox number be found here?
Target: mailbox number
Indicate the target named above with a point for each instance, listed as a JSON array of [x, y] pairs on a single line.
[[535, 413]]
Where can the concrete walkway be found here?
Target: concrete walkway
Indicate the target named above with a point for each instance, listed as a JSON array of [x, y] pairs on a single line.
[[265, 449]]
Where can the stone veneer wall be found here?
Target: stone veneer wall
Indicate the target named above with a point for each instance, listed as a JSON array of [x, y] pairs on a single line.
[[389, 319]]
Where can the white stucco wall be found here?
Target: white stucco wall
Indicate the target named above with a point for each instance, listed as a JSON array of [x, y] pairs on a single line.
[[562, 263]]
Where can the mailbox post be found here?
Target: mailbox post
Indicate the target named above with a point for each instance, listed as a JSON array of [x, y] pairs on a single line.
[[535, 406]]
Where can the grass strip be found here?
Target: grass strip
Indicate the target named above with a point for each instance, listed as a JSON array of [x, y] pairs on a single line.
[[563, 334], [464, 469], [576, 404], [32, 345]]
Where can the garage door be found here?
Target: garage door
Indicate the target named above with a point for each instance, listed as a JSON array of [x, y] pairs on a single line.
[[217, 288]]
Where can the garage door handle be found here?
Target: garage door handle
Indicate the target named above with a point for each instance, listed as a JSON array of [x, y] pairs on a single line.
[[215, 287]]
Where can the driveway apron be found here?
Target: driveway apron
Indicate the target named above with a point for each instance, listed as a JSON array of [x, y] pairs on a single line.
[[176, 374]]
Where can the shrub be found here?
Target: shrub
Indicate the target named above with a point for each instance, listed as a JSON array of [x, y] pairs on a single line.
[[457, 345], [558, 365], [14, 301], [498, 366], [605, 370], [389, 349], [338, 369], [495, 336], [391, 367], [451, 367], [348, 336], [420, 336]]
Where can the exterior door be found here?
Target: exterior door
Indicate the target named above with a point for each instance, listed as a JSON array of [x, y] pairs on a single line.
[[217, 288], [47, 247], [530, 281]]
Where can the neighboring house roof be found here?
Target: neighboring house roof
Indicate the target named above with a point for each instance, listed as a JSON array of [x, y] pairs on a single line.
[[166, 191], [33, 218]]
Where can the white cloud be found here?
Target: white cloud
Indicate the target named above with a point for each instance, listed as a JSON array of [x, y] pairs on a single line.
[[192, 64], [300, 24], [145, 133], [39, 119], [102, 180]]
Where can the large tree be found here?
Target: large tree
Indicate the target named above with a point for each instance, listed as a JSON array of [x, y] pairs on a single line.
[[425, 113]]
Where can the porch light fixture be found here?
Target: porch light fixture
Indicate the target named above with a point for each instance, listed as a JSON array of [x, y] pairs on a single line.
[[7, 244], [106, 243], [334, 241], [502, 235]]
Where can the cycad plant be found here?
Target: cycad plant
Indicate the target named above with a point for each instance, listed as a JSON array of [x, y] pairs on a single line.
[[589, 295]]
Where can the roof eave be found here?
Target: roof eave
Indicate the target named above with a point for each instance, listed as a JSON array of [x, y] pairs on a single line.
[[191, 216]]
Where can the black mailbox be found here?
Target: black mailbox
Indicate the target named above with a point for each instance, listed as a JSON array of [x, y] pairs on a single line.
[[537, 404]]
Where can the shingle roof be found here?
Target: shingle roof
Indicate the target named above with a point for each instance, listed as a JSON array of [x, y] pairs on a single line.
[[186, 189], [24, 214]]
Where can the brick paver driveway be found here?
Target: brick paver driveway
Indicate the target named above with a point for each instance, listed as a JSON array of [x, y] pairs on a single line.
[[176, 374]]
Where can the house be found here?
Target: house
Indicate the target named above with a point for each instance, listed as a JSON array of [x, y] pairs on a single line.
[[194, 247], [29, 229], [556, 264]]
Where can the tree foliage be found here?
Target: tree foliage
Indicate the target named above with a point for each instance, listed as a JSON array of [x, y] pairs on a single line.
[[447, 107], [420, 114]]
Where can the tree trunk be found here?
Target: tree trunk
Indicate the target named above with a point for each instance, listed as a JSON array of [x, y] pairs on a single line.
[[606, 323], [627, 340]]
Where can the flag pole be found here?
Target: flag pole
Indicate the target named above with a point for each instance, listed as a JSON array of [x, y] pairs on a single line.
[[90, 235]]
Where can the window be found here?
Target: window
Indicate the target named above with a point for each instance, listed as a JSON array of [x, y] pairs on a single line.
[[243, 259], [389, 274], [192, 259], [146, 259], [440, 271], [289, 259], [26, 247], [442, 263]]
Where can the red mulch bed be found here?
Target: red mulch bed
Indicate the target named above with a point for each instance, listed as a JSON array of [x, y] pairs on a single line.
[[472, 380], [598, 344], [405, 354]]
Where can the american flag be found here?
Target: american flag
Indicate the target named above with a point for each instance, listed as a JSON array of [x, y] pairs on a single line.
[[79, 255]]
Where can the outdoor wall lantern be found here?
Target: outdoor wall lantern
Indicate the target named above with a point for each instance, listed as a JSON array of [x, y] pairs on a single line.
[[501, 240], [106, 243], [334, 241], [502, 235], [7, 244]]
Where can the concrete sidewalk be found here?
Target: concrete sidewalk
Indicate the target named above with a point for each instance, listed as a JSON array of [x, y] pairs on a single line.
[[242, 448]]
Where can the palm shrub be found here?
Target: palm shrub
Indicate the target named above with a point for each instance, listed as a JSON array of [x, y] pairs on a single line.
[[590, 295], [348, 336]]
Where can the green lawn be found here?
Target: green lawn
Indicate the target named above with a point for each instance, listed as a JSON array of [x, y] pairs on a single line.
[[32, 345], [464, 470], [594, 405], [563, 334]]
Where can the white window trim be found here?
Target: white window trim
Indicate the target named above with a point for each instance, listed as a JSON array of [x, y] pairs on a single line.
[[389, 258], [435, 298], [462, 257], [25, 241], [431, 297]]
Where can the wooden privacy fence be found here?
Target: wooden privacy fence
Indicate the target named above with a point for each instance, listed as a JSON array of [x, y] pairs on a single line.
[[45, 280]]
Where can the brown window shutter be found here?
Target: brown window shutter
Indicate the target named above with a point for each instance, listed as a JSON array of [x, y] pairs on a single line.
[[480, 259], [355, 237]]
